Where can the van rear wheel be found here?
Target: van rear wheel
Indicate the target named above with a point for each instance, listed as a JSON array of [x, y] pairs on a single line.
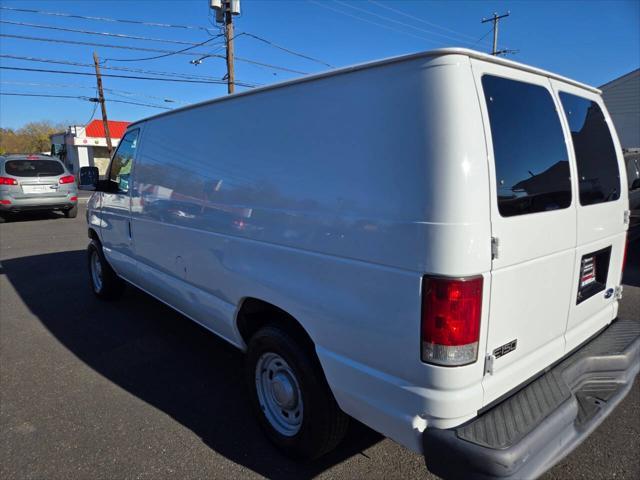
[[104, 281], [291, 397]]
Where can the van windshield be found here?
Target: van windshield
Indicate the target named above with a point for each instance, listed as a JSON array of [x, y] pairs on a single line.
[[33, 168]]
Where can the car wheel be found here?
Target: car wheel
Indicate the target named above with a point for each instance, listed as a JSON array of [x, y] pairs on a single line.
[[290, 395], [72, 212], [2, 218], [104, 281]]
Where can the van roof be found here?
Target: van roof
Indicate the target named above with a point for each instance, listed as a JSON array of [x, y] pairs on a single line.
[[361, 66]]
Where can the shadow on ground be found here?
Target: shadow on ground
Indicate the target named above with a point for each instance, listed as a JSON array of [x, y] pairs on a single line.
[[33, 216], [162, 358]]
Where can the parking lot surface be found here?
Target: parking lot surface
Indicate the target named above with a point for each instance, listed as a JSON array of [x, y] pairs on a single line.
[[132, 389]]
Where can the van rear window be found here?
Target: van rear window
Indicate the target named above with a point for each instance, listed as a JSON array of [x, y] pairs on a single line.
[[598, 173], [33, 168], [531, 160]]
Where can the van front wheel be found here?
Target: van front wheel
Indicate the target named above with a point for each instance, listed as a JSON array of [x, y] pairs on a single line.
[[104, 281], [290, 395]]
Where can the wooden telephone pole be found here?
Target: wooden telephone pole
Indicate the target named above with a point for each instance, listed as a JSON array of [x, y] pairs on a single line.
[[225, 10], [105, 122], [228, 30]]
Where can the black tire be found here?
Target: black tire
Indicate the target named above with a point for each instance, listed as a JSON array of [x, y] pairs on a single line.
[[2, 218], [72, 212], [323, 424], [111, 286]]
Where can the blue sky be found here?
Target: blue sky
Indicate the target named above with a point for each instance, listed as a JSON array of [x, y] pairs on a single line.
[[591, 41]]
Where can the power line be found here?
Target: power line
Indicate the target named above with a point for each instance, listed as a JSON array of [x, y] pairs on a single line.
[[40, 95], [152, 50], [106, 19], [163, 40], [91, 44], [382, 25], [116, 68], [131, 77], [113, 91], [198, 61], [93, 112], [91, 32], [287, 50], [404, 24], [484, 36], [177, 52], [400, 12], [78, 97]]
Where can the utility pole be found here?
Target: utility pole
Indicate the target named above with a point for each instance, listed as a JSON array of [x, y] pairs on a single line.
[[496, 19], [225, 10], [105, 122], [228, 31]]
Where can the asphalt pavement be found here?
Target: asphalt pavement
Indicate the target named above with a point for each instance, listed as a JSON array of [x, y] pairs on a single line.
[[132, 389]]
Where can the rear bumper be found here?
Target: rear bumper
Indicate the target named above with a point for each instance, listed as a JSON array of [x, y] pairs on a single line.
[[41, 203], [529, 432]]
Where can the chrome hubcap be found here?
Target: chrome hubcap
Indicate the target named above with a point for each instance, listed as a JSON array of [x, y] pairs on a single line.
[[96, 271], [279, 394]]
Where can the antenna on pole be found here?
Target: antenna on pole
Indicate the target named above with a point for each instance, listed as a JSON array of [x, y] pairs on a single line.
[[496, 20]]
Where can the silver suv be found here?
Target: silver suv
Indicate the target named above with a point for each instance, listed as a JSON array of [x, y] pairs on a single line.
[[36, 182]]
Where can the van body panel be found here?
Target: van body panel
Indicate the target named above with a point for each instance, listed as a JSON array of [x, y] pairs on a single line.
[[227, 221]]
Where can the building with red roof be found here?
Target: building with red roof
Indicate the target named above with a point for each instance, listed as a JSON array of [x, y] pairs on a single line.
[[86, 146], [95, 129]]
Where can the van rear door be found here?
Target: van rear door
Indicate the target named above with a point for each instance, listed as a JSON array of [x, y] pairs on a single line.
[[533, 223], [602, 200]]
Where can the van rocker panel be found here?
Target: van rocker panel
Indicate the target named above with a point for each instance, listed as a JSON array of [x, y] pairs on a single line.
[[532, 430]]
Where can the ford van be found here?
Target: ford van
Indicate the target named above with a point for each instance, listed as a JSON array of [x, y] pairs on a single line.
[[432, 244]]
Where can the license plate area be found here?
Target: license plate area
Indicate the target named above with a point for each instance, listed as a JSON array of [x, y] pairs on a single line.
[[35, 189], [594, 269]]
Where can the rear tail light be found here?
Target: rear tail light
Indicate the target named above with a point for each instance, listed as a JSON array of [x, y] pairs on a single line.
[[451, 310], [5, 202], [8, 181], [74, 199], [67, 179]]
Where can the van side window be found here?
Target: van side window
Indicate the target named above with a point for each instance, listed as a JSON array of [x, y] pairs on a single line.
[[598, 174], [531, 160], [120, 169]]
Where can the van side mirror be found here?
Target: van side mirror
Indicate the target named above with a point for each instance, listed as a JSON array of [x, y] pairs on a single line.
[[89, 177], [635, 185]]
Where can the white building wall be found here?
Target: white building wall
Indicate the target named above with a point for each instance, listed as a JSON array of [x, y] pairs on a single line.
[[622, 97], [83, 151], [83, 157]]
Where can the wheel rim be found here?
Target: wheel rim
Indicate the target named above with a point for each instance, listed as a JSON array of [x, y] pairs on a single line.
[[96, 271], [279, 394]]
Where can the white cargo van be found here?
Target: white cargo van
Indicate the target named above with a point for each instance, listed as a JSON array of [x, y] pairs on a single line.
[[432, 244]]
